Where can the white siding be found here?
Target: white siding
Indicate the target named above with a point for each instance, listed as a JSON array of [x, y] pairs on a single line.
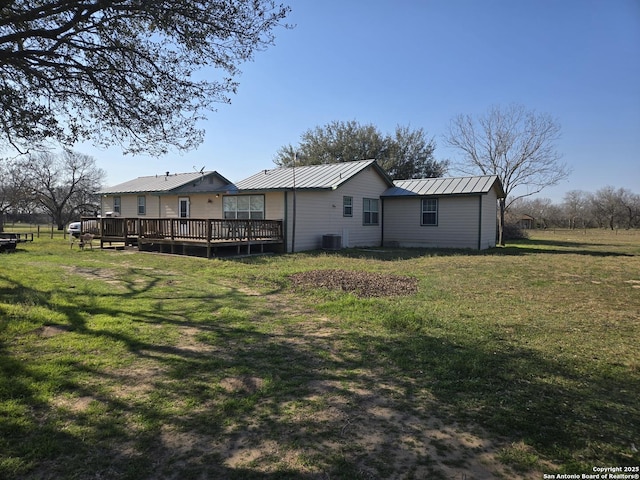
[[201, 205], [320, 213], [274, 206], [489, 220], [129, 205], [203, 202], [458, 223]]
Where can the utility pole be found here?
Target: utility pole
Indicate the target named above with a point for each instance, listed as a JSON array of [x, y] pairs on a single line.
[[293, 232]]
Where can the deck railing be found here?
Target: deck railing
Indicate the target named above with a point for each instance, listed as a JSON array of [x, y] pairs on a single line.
[[185, 229]]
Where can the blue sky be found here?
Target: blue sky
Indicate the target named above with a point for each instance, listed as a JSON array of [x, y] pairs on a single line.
[[422, 62]]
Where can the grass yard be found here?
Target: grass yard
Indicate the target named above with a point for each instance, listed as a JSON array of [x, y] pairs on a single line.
[[511, 363]]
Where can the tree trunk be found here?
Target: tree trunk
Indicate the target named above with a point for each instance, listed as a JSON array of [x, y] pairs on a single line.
[[502, 203]]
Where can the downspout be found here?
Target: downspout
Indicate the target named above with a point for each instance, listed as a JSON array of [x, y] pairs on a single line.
[[480, 223], [285, 227], [382, 222]]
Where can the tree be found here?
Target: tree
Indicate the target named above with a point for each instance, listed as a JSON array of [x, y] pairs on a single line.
[[122, 71], [62, 185], [631, 205], [405, 154], [411, 155], [516, 144], [575, 206], [543, 210], [11, 188], [6, 193], [614, 208]]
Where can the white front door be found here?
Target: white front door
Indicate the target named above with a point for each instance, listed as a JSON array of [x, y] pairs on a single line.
[[183, 212]]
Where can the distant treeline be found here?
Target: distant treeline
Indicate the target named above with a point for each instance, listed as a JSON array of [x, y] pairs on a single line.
[[607, 208]]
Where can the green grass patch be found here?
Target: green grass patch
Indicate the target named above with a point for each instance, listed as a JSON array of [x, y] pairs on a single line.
[[122, 365]]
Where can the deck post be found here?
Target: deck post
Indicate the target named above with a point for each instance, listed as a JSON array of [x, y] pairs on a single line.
[[209, 234], [102, 220], [172, 235]]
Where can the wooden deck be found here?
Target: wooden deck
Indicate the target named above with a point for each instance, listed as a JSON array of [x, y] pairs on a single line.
[[178, 235]]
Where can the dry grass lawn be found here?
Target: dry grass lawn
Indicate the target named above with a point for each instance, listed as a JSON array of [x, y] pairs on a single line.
[[387, 364]]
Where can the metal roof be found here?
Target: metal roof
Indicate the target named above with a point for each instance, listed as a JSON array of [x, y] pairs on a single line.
[[444, 186], [327, 176], [160, 183]]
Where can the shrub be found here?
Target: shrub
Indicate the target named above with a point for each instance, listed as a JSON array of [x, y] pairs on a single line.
[[513, 231]]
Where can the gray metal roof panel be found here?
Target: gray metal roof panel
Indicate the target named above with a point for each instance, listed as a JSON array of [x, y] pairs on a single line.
[[442, 186], [325, 176], [159, 183]]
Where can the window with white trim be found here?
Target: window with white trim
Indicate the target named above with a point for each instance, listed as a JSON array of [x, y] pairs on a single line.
[[117, 205], [429, 212], [370, 211], [243, 207], [347, 206], [142, 205]]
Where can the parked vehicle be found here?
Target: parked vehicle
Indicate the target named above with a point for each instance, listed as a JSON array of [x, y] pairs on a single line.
[[75, 229]]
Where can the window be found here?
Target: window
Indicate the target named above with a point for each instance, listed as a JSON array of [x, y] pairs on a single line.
[[142, 205], [429, 211], [244, 207], [370, 211], [347, 206], [117, 205], [183, 207]]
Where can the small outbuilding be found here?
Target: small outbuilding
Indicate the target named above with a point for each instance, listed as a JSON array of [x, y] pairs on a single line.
[[459, 212]]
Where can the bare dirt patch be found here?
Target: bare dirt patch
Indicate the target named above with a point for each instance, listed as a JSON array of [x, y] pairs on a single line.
[[362, 284], [49, 331], [245, 383], [74, 404]]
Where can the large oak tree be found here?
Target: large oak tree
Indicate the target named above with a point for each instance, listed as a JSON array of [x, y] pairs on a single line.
[[516, 144], [404, 154], [126, 72]]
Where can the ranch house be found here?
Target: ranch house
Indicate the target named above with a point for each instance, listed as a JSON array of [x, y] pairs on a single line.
[[350, 204]]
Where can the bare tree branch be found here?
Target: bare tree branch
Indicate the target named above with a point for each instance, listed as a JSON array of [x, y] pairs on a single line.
[[123, 71], [61, 184], [516, 144]]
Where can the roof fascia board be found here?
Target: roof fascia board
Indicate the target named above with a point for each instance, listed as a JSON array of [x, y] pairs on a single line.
[[420, 195], [278, 189]]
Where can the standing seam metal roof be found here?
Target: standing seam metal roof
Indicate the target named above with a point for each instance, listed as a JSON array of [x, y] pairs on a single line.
[[159, 183], [443, 186], [325, 176]]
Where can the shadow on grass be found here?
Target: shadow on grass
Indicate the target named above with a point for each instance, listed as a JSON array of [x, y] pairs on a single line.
[[521, 248], [235, 399]]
